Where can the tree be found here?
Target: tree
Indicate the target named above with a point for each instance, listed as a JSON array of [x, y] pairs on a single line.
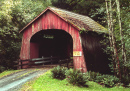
[[120, 37], [14, 15], [92, 8], [111, 33], [121, 34]]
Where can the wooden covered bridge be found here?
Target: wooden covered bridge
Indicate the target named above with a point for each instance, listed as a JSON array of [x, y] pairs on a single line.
[[56, 33]]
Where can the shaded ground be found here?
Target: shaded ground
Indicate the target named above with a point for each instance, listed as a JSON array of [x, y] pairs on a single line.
[[14, 81]]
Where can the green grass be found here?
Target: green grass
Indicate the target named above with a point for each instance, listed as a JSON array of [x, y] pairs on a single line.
[[8, 72], [47, 83]]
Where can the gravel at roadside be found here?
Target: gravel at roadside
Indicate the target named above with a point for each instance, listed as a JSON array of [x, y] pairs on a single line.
[[14, 81]]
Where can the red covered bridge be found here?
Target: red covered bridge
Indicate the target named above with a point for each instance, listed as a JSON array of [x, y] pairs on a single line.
[[55, 32]]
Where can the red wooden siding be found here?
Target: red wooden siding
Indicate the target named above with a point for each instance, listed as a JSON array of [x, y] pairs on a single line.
[[34, 50], [49, 20]]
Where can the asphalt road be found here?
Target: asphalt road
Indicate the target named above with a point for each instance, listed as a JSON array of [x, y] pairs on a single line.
[[15, 81]]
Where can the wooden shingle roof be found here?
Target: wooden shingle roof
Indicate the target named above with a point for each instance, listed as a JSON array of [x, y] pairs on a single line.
[[79, 21]]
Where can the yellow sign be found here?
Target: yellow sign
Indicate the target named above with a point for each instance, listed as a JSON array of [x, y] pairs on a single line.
[[77, 53]]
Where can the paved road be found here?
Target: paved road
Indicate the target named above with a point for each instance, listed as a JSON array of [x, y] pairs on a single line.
[[15, 81]]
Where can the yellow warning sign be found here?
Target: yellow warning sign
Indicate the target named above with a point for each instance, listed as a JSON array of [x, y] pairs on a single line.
[[77, 53]]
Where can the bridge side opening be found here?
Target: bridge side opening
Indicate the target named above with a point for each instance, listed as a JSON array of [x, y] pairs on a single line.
[[51, 43]]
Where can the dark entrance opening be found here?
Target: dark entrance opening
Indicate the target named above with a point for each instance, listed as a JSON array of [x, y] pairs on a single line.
[[51, 43], [96, 58]]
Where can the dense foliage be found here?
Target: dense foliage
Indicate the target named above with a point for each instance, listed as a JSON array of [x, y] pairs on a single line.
[[92, 75], [59, 72], [73, 76], [103, 79], [91, 8], [107, 80], [119, 27], [76, 77], [14, 15]]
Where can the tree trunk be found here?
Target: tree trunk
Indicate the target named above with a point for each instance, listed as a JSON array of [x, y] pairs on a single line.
[[108, 22], [121, 34], [111, 36]]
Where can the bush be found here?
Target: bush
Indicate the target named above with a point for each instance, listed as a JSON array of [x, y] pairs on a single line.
[[125, 80], [59, 72], [110, 81], [126, 75], [107, 80], [100, 79], [92, 75], [2, 68], [76, 77]]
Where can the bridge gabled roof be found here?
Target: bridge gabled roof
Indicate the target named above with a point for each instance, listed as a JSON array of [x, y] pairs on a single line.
[[77, 20]]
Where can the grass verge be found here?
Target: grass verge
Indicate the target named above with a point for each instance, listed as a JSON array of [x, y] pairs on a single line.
[[46, 83], [8, 72]]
